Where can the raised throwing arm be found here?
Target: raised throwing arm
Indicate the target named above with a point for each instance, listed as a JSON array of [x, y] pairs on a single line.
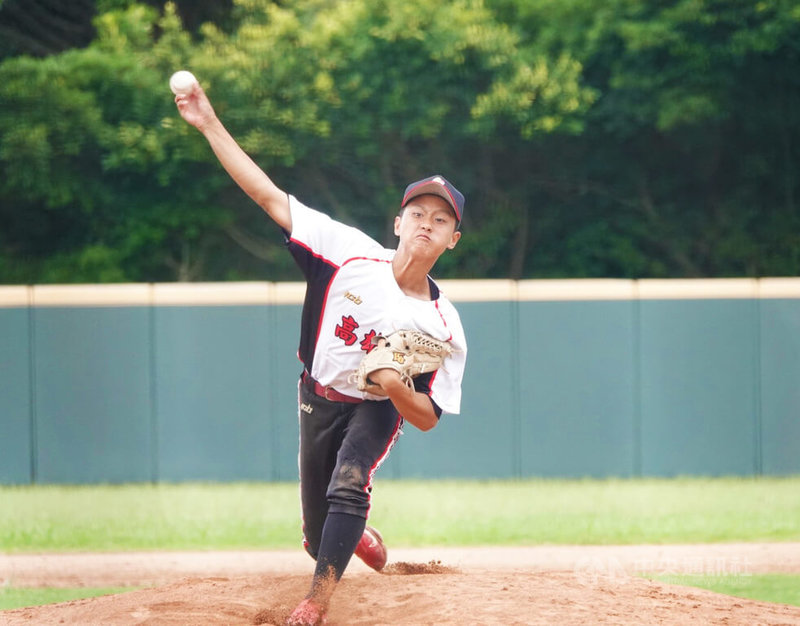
[[196, 109]]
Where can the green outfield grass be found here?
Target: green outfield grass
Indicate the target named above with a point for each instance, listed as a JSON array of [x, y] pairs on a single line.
[[16, 597], [413, 513], [780, 588]]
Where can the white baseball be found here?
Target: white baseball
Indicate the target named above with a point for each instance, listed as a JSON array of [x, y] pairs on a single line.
[[182, 82]]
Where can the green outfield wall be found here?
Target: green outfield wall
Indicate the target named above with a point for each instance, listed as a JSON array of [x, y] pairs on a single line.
[[573, 378]]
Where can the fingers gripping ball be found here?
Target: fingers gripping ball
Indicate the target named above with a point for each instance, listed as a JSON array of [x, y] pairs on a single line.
[[182, 83], [408, 352]]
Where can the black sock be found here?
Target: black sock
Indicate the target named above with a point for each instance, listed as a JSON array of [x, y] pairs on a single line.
[[340, 536]]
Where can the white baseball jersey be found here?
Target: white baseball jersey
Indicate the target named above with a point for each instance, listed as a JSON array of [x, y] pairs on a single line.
[[352, 295]]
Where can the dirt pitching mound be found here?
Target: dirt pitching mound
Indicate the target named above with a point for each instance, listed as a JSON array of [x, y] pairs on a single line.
[[455, 597], [545, 585]]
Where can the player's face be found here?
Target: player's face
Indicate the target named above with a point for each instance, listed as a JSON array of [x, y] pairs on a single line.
[[428, 223]]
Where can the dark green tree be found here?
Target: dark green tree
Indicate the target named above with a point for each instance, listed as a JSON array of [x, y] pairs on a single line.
[[687, 162], [591, 137], [343, 103]]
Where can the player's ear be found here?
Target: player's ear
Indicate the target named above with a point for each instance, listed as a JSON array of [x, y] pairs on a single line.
[[454, 240], [397, 224]]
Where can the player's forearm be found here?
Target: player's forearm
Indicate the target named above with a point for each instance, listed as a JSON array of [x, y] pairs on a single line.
[[247, 174], [415, 407]]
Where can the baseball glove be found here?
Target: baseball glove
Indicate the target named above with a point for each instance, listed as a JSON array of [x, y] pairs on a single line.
[[408, 352]]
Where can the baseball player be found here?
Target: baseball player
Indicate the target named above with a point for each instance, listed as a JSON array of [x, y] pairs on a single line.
[[357, 292]]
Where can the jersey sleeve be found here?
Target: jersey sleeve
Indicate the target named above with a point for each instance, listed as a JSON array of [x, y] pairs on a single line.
[[445, 384], [327, 239]]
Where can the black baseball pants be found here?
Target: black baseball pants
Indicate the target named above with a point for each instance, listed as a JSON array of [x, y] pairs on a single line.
[[341, 447]]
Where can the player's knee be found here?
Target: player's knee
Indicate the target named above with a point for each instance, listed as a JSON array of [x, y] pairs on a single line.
[[347, 491], [312, 537], [312, 552]]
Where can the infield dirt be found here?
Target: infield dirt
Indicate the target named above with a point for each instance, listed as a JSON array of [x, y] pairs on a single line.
[[531, 585]]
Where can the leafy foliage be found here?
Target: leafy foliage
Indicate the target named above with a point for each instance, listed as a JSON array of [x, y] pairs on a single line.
[[591, 137]]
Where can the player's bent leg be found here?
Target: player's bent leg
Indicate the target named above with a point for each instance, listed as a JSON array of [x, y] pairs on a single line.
[[374, 429], [371, 549], [371, 430]]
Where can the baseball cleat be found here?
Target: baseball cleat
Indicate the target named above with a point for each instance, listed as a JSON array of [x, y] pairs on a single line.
[[307, 613], [371, 549]]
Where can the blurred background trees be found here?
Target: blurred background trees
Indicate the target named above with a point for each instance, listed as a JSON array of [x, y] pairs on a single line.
[[592, 138]]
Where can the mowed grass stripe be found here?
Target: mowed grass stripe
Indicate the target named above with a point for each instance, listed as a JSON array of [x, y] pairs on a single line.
[[413, 513]]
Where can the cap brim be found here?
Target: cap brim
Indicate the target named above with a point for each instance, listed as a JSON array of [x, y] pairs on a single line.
[[434, 189]]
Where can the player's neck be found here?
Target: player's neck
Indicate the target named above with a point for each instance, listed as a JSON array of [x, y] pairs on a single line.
[[412, 277]]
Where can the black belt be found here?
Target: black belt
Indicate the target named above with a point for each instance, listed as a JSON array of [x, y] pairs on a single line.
[[329, 393]]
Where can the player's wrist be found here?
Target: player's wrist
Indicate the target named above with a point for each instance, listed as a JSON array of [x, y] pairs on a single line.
[[387, 379], [209, 124]]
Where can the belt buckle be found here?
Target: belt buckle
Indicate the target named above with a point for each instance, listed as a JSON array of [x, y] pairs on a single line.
[[328, 389]]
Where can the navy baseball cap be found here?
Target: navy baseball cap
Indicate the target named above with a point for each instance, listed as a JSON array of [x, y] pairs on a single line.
[[438, 186]]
